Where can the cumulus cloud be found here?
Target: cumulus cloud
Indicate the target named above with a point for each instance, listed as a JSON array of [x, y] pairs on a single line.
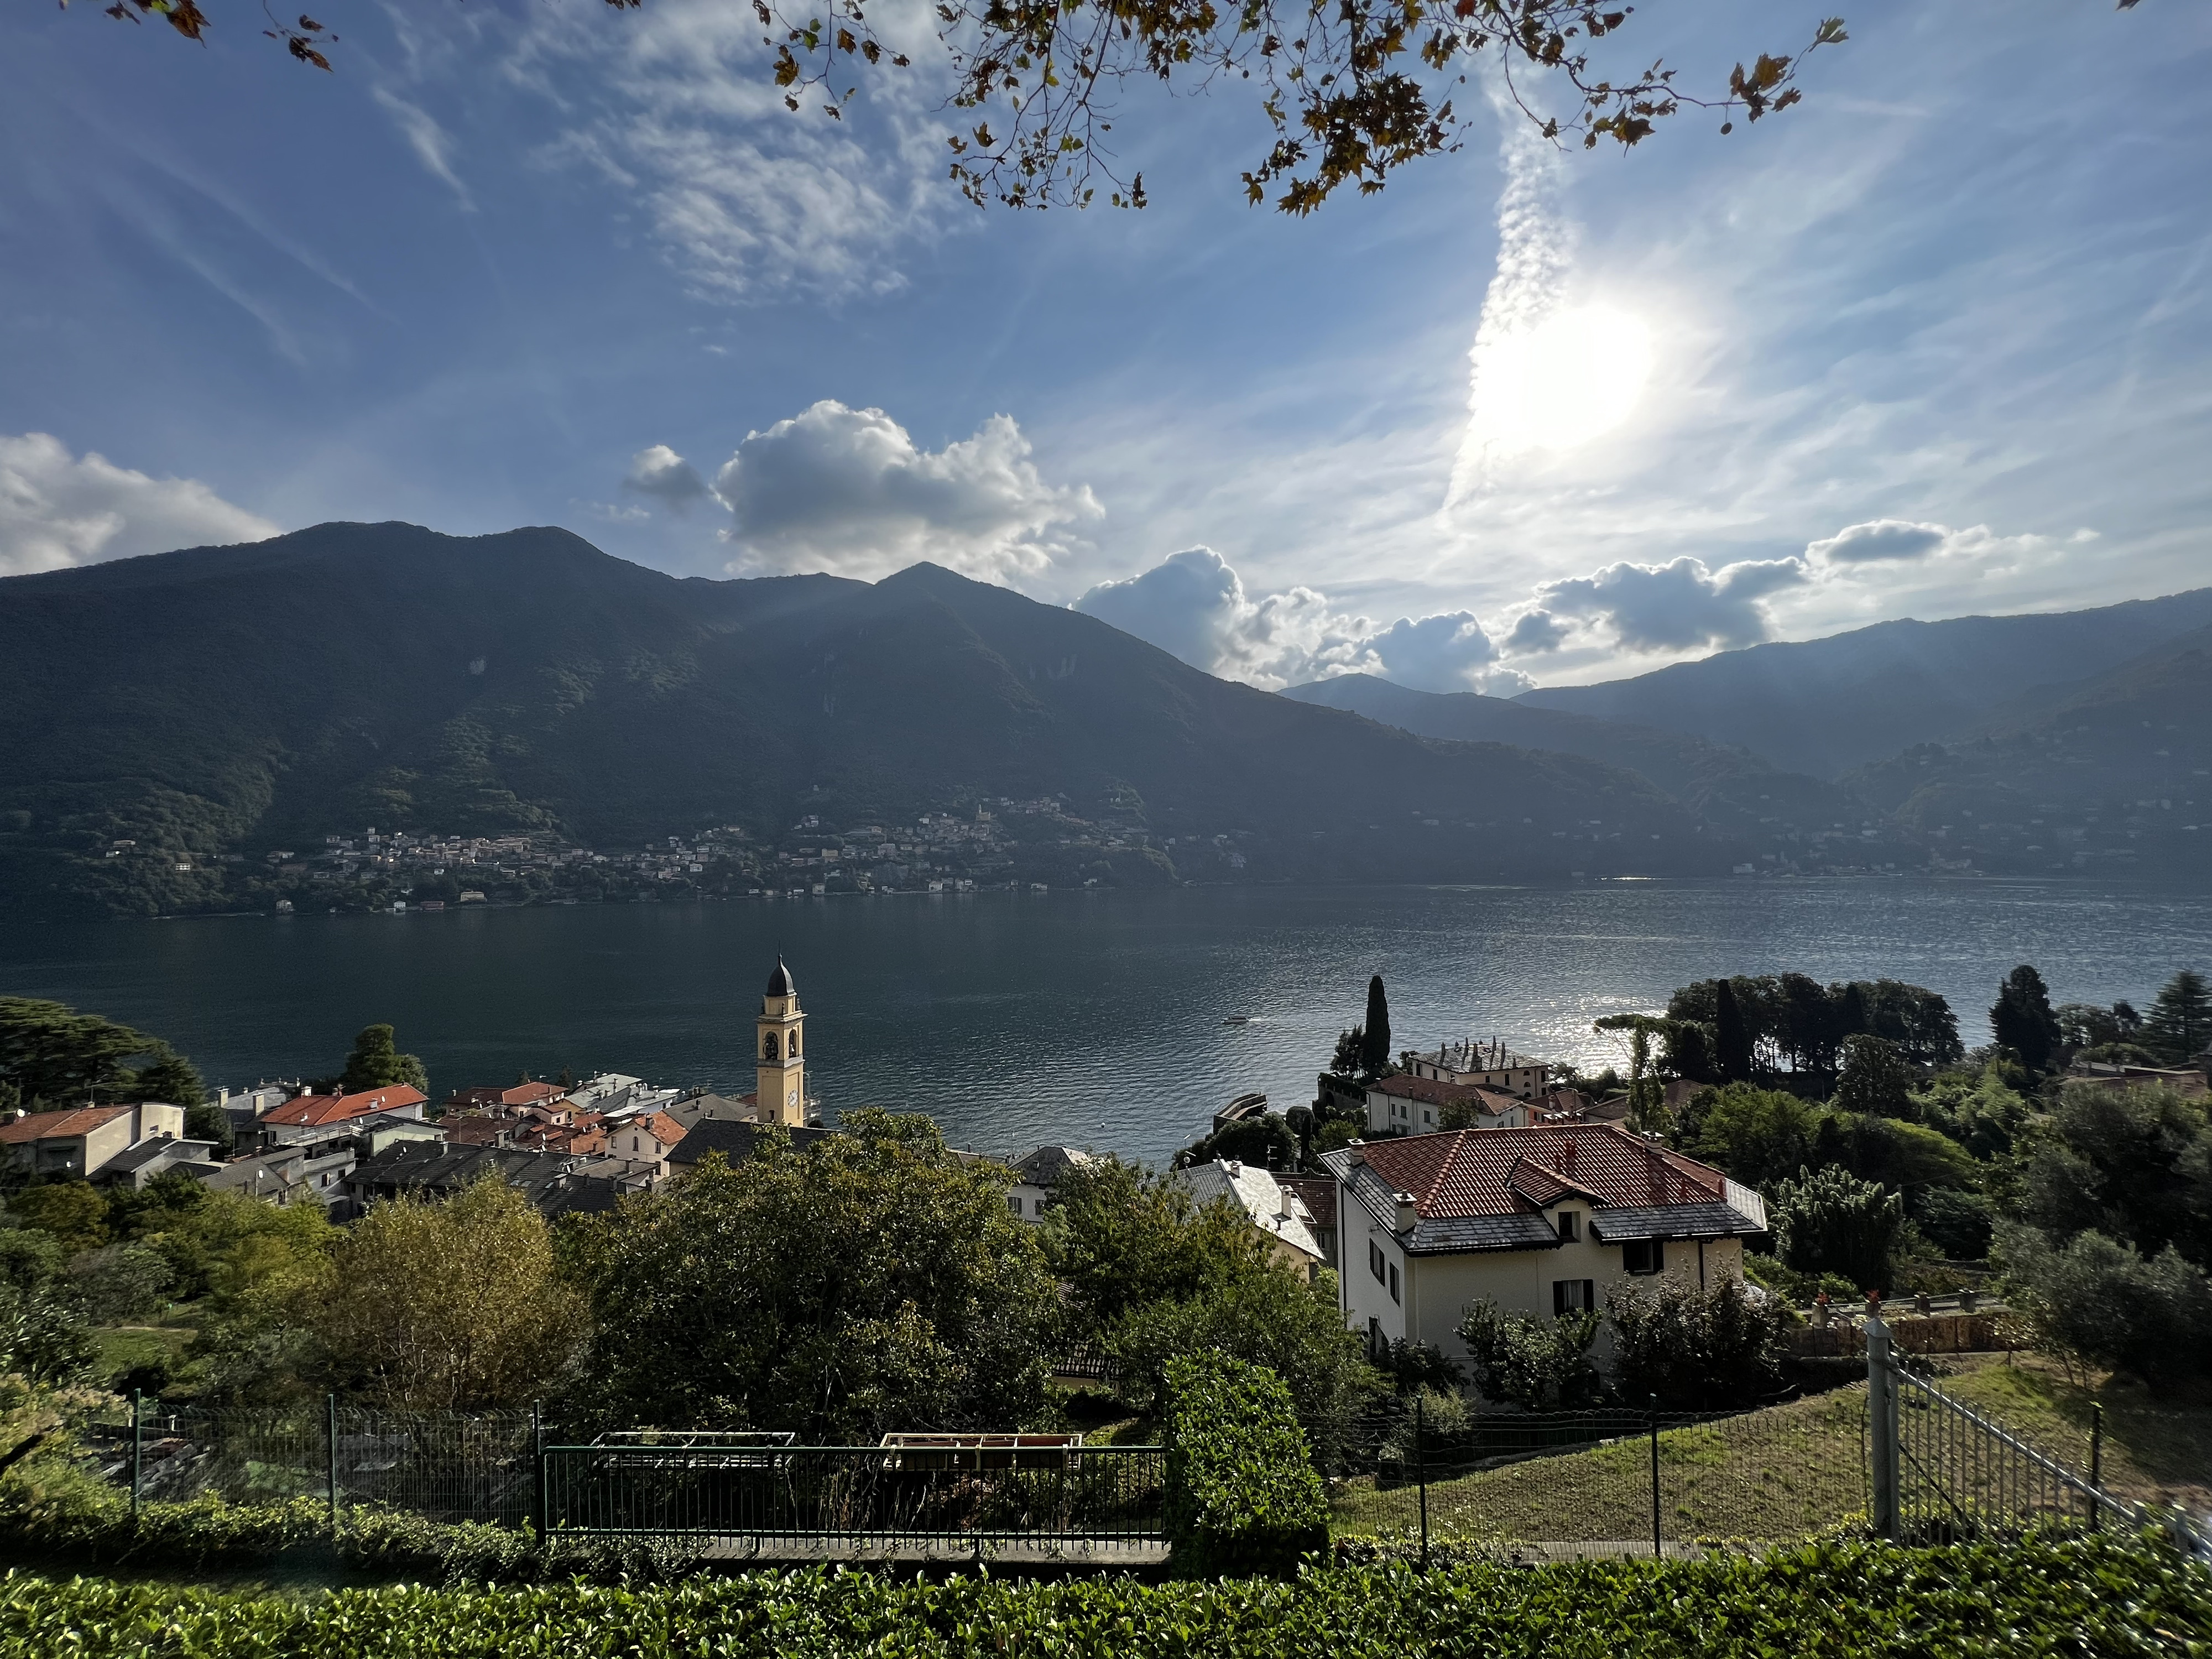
[[56, 509], [1678, 606], [1879, 538], [1536, 632], [1194, 605], [847, 490], [659, 472]]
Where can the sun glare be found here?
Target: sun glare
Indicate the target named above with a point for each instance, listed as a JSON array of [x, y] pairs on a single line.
[[1574, 375]]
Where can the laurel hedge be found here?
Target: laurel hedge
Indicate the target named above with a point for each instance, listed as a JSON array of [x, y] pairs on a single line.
[[1243, 1495], [2094, 1596]]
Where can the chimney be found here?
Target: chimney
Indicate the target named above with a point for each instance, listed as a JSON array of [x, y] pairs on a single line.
[[1355, 1155], [1407, 1212]]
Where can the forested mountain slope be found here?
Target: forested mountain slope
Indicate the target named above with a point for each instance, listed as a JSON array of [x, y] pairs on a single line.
[[230, 700]]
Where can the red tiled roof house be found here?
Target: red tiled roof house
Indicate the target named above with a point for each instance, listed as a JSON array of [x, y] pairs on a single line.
[[1543, 1219]]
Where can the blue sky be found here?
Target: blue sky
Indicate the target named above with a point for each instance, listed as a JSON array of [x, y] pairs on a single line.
[[1937, 342]]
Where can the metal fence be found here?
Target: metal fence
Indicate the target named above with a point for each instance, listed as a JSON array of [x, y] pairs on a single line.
[[1646, 1481], [511, 1468], [1941, 1470], [445, 1466], [829, 1495]]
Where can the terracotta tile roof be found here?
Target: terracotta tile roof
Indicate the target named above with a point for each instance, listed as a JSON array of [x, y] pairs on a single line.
[[308, 1111], [663, 1128], [1487, 1188], [1318, 1192], [1435, 1090], [69, 1120]]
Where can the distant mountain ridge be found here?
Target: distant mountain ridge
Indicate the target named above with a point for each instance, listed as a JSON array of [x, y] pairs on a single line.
[[1825, 706], [219, 703]]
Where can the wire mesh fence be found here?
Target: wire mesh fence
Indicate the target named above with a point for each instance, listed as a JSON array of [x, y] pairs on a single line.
[[1611, 1476], [830, 1494]]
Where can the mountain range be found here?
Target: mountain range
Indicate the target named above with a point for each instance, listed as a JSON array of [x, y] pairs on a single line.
[[169, 720], [167, 714]]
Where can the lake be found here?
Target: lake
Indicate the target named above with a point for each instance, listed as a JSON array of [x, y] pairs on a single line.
[[1091, 1017]]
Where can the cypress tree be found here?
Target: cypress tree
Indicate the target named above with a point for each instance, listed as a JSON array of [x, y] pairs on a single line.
[[1375, 1049], [2023, 1021], [1731, 1043], [2180, 1022]]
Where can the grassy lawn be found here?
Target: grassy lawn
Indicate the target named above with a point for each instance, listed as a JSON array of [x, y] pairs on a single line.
[[1788, 1471], [2157, 1451], [1782, 1472], [122, 1347]]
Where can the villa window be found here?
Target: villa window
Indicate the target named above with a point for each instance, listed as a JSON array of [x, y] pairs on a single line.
[[1374, 1261], [1393, 1282], [1570, 1227], [1646, 1255], [1571, 1296], [1014, 1203]]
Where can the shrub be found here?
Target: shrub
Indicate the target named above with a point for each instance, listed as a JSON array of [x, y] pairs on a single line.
[[119, 1282], [1419, 1368], [1958, 1223], [1538, 1364], [2097, 1300], [1696, 1349], [1243, 1495]]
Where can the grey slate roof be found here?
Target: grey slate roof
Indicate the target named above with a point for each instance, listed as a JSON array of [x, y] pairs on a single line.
[[734, 1139]]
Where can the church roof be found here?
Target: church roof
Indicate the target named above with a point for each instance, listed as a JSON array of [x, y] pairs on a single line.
[[779, 982]]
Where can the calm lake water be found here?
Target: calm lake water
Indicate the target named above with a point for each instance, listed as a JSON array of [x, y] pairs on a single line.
[[1090, 1018]]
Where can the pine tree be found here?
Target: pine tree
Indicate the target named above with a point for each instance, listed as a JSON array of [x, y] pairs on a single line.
[[2179, 1023], [1374, 1046], [2022, 1020], [1731, 1042], [377, 1063]]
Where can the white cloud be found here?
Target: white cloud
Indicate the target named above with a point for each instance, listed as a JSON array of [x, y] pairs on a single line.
[[1879, 538], [660, 472], [847, 490], [1677, 606], [56, 509], [432, 145], [675, 106], [1194, 605]]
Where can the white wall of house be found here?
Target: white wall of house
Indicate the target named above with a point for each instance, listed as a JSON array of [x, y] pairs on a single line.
[[1027, 1201], [1434, 1292]]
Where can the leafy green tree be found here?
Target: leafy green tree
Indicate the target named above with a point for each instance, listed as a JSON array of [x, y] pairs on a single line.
[[1960, 1224], [377, 1063], [118, 1282], [72, 1212], [1891, 1153], [170, 1078], [1265, 1140], [1977, 1110], [2179, 1027], [874, 1282], [1731, 1042], [2134, 1165], [31, 1260], [52, 1056], [1375, 1035], [2096, 1300], [1538, 1364], [210, 1122], [1118, 1237], [453, 1305], [1696, 1348], [1828, 1221], [1874, 1080], [1756, 1135], [1267, 1315], [42, 1338], [2022, 1020], [1351, 1047]]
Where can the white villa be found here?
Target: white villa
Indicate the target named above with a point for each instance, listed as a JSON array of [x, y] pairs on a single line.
[[1540, 1220]]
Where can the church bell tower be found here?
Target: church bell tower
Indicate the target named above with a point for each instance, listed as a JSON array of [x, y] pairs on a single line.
[[783, 1065]]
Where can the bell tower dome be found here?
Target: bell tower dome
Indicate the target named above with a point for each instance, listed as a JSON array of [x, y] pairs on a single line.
[[779, 1053]]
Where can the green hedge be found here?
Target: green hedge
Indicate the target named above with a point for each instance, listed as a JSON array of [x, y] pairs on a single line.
[[97, 1529], [1243, 1495], [2095, 1598]]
